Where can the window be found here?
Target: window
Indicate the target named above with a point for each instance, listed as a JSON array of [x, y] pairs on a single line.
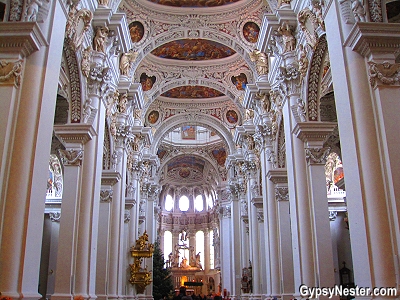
[[200, 248], [169, 203], [184, 203], [211, 233], [167, 244], [198, 203]]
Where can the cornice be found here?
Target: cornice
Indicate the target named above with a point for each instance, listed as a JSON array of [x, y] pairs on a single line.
[[109, 177], [277, 176], [257, 201], [74, 133], [369, 38], [21, 38], [310, 132]]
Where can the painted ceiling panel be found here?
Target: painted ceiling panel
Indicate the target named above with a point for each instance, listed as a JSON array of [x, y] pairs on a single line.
[[189, 92], [193, 3], [193, 49]]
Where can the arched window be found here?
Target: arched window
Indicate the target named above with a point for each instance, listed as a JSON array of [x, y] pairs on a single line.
[[200, 249], [198, 203], [184, 203], [169, 203], [211, 233], [167, 244]]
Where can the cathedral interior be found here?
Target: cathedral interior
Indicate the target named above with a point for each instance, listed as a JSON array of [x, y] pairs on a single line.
[[253, 141]]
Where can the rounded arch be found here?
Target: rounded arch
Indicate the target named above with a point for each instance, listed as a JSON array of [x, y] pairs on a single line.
[[192, 119]]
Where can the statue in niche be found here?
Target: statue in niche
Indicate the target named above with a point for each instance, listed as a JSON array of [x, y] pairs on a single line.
[[197, 261], [289, 41], [100, 39]]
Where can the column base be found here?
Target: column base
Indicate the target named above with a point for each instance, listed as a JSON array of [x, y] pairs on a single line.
[[62, 296]]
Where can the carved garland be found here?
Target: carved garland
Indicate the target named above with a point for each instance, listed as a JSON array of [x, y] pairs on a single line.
[[315, 78], [75, 83], [375, 11]]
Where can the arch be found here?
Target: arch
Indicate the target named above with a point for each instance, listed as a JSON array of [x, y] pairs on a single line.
[[193, 119]]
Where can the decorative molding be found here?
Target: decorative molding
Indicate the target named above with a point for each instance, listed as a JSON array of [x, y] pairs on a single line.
[[71, 157], [127, 216], [260, 216]]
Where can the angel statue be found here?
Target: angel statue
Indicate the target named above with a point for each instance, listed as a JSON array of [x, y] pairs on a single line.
[[261, 60], [126, 61]]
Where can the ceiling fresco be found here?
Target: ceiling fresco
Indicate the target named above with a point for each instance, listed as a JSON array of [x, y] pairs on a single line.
[[193, 3], [190, 92], [193, 49], [186, 162]]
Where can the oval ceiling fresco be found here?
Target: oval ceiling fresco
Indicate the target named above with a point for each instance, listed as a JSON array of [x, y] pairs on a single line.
[[193, 49], [193, 3], [191, 92]]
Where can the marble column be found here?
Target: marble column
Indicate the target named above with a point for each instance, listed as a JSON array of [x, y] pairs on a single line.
[[367, 111], [107, 196], [206, 262], [286, 280], [31, 57], [313, 134]]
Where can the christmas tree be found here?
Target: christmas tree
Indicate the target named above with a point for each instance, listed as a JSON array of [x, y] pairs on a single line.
[[162, 280]]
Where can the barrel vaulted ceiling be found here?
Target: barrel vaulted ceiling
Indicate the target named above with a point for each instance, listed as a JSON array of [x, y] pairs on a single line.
[[193, 65]]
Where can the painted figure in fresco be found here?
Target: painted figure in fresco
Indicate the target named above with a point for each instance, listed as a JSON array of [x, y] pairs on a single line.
[[231, 116], [136, 32], [153, 117], [250, 32]]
